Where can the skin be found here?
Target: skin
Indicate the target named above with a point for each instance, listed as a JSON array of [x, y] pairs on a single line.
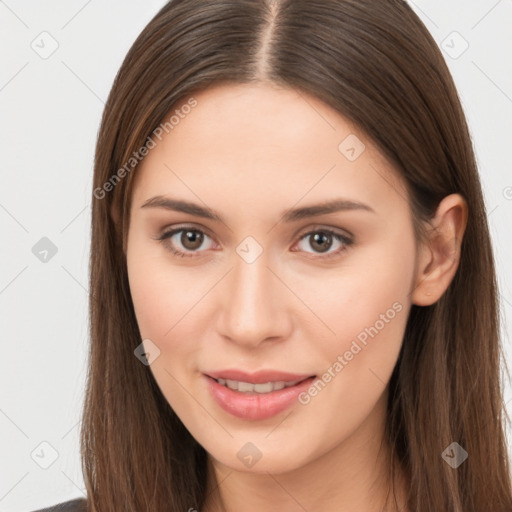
[[250, 152]]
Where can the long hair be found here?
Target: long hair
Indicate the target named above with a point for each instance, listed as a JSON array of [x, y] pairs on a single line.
[[376, 64]]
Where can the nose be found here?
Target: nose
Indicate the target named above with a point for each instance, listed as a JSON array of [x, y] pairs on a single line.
[[255, 304]]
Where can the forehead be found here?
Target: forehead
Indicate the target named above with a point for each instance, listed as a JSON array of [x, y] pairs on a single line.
[[256, 145]]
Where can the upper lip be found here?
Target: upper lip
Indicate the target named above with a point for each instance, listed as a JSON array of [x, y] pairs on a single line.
[[259, 377]]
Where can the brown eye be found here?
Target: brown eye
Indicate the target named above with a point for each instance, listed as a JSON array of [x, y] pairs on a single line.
[[191, 239], [322, 240], [185, 241]]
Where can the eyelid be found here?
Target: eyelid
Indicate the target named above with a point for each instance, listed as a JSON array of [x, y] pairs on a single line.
[[300, 233], [322, 227], [174, 228]]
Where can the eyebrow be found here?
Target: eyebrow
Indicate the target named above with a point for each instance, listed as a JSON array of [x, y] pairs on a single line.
[[290, 215]]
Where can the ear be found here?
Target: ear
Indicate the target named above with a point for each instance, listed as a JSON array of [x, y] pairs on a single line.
[[439, 256]]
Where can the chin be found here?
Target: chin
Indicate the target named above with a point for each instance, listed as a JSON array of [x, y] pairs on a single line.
[[260, 457]]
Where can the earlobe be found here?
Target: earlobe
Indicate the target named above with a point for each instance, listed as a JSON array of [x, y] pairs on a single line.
[[439, 256]]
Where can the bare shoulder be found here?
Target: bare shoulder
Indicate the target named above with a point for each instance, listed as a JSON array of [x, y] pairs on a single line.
[[76, 505]]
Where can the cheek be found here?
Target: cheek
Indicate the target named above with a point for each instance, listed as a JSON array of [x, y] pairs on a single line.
[[160, 303], [164, 299], [161, 294], [367, 308], [366, 305]]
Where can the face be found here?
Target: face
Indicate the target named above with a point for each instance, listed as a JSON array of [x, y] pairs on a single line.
[[257, 287]]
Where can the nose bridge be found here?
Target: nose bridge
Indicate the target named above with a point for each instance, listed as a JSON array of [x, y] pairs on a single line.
[[250, 310]]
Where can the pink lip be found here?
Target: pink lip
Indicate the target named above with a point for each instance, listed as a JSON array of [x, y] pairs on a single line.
[[256, 406]]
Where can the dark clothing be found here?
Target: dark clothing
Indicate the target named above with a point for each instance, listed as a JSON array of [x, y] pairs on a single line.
[[76, 505]]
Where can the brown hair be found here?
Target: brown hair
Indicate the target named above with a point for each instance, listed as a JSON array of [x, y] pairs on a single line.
[[376, 64]]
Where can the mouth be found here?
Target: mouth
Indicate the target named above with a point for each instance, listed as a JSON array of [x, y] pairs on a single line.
[[256, 396]]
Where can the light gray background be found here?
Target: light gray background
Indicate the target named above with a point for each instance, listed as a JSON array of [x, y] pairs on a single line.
[[50, 110]]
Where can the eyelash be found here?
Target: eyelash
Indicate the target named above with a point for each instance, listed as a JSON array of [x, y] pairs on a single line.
[[345, 240]]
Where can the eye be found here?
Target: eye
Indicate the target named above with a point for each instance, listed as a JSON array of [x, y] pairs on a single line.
[[191, 239], [322, 240]]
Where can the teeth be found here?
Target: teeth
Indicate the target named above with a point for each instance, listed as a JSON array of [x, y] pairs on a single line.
[[248, 387]]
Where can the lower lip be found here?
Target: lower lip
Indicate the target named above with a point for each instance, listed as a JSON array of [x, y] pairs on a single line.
[[256, 406]]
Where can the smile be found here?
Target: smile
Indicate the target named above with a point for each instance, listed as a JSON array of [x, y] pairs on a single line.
[[249, 387], [255, 400]]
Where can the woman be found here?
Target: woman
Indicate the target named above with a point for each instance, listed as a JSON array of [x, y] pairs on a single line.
[[293, 296]]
